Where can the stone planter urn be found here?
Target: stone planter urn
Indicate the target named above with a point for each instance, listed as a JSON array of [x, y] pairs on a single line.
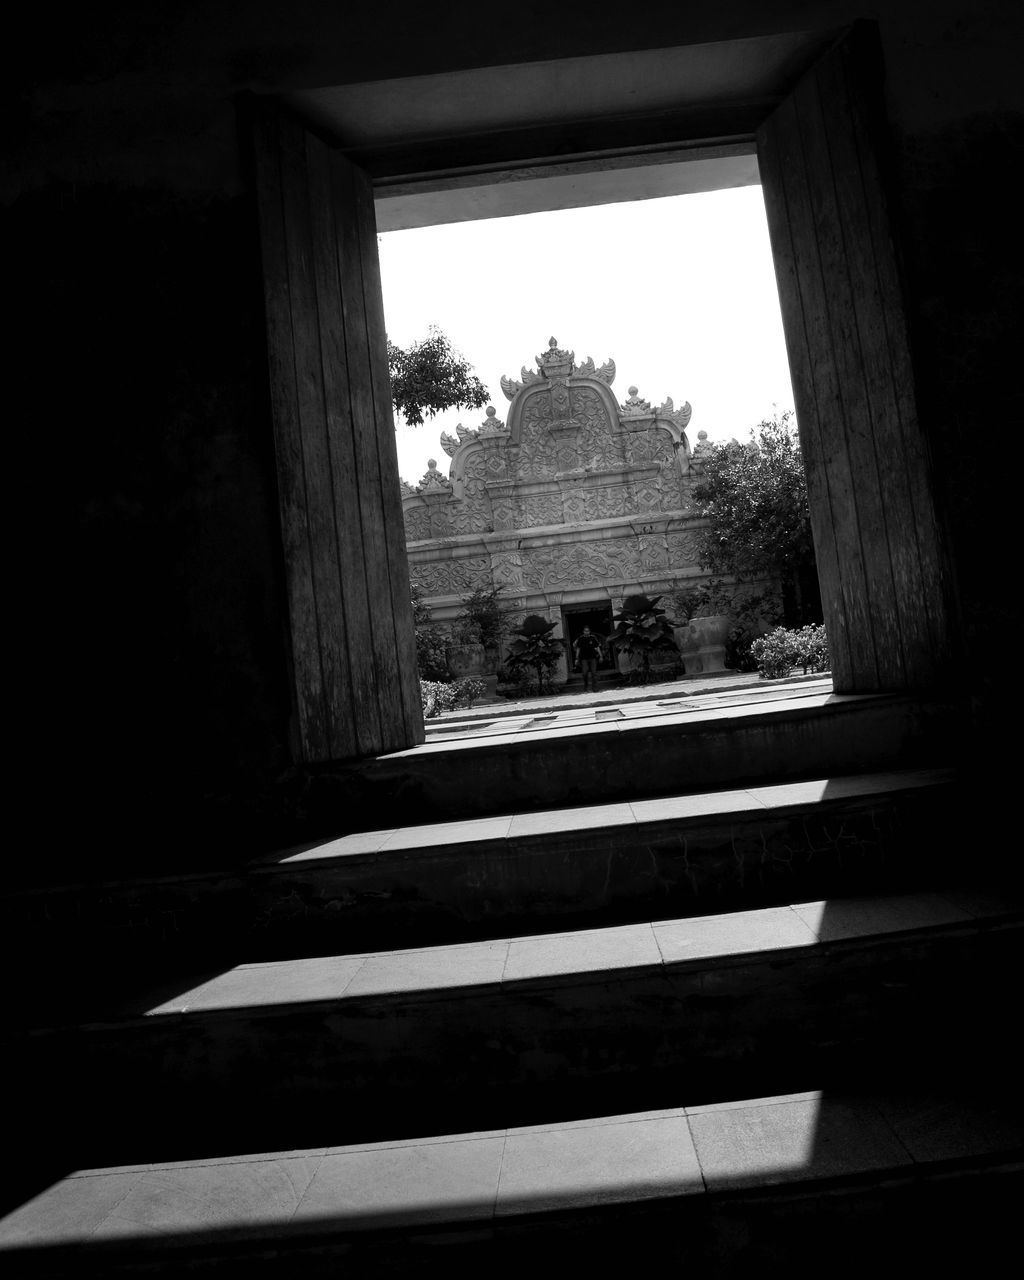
[[473, 659], [467, 660], [702, 643]]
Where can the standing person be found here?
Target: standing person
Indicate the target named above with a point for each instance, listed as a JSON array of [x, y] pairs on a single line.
[[587, 652]]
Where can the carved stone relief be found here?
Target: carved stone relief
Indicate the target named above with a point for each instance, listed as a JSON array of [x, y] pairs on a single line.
[[648, 497], [449, 577], [682, 548], [575, 565], [537, 458], [597, 445], [540, 509], [651, 444], [507, 569], [653, 549], [473, 513], [417, 523], [568, 455], [604, 502], [574, 500], [674, 493]]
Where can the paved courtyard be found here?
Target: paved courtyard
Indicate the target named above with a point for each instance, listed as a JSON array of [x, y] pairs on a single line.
[[566, 709]]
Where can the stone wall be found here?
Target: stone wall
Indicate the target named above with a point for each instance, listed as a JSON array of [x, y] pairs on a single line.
[[576, 499]]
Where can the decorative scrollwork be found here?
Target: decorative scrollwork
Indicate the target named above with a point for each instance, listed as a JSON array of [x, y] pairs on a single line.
[[606, 373], [680, 416]]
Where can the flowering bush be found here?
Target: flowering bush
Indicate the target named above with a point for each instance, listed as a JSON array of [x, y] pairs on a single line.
[[774, 653], [446, 695], [780, 650], [811, 645]]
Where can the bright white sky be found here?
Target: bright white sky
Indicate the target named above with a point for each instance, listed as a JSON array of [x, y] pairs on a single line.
[[679, 292]]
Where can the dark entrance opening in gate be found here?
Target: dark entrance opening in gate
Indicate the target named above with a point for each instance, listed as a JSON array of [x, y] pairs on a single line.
[[598, 617]]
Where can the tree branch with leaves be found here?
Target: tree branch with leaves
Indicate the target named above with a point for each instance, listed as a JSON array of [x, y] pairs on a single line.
[[431, 376]]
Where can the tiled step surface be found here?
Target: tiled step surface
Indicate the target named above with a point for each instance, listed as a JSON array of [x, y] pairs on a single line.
[[449, 882], [337, 1203], [494, 1033]]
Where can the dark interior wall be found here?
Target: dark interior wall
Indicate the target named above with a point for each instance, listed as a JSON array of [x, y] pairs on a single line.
[[156, 659], [159, 689]]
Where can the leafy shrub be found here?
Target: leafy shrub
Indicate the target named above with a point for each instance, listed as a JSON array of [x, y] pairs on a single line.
[[780, 650], [811, 645], [437, 696], [467, 690]]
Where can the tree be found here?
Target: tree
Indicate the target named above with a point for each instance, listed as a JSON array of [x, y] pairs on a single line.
[[431, 643], [431, 376], [641, 628], [755, 497], [482, 617]]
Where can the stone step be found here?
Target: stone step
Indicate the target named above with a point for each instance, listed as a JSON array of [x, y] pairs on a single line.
[[747, 1183], [378, 1046], [645, 750], [454, 882]]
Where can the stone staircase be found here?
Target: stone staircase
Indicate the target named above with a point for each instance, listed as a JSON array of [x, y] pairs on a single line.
[[722, 1026]]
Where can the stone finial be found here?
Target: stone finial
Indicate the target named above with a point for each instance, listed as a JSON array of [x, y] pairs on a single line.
[[492, 425], [635, 406], [555, 363], [700, 450], [407, 490], [433, 481]]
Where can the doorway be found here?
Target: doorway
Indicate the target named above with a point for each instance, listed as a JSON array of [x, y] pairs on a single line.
[[598, 617], [882, 559]]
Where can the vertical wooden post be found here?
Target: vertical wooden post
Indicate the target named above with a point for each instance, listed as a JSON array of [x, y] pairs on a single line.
[[353, 649], [882, 560]]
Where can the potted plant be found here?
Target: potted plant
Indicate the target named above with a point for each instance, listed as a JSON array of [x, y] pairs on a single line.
[[641, 630], [481, 620], [534, 647]]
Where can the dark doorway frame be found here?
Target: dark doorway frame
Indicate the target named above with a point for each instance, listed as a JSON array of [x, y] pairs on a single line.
[[595, 614], [883, 562]]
